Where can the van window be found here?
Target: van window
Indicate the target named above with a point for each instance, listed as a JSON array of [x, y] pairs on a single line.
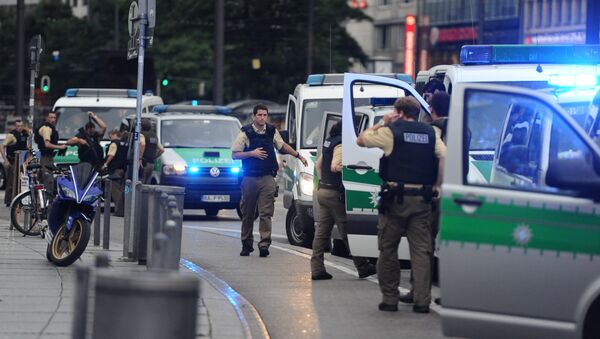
[[291, 127], [514, 141], [71, 119]]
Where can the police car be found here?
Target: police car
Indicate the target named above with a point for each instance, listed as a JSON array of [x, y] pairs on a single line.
[[306, 107], [520, 251], [111, 105], [198, 157]]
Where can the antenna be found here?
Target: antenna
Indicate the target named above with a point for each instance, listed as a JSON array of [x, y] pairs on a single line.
[[472, 21], [330, 67]]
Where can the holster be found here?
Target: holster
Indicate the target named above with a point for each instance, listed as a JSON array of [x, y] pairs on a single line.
[[387, 195]]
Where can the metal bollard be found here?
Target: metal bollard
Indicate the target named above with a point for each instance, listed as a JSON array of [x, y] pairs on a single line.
[[97, 228], [153, 223], [127, 218], [159, 252], [106, 227], [80, 304], [163, 208], [173, 249], [146, 305]]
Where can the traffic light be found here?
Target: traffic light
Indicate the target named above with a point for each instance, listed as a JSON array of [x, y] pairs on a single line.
[[45, 84], [165, 82]]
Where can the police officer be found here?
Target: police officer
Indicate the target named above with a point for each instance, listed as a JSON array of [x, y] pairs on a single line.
[[88, 140], [331, 197], [46, 138], [255, 145], [15, 141], [116, 163], [439, 104], [411, 171], [150, 149]]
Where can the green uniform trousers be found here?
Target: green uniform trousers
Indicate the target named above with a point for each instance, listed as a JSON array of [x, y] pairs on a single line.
[[331, 212], [413, 218], [257, 191]]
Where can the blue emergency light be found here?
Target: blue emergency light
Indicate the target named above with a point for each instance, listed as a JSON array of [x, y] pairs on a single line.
[[573, 80], [235, 170], [530, 54], [376, 102], [160, 108], [194, 102], [194, 169]]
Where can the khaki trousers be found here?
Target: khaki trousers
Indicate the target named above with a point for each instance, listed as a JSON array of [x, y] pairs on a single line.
[[331, 212], [46, 176], [147, 173], [413, 218], [8, 179], [117, 191], [257, 191]]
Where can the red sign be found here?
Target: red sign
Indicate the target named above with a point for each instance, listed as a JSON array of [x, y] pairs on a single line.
[[455, 34], [409, 45]]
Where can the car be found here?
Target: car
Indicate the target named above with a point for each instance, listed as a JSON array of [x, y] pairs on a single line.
[[523, 241], [111, 105], [198, 157]]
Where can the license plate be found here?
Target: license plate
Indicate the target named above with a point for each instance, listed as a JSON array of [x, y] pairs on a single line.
[[215, 198]]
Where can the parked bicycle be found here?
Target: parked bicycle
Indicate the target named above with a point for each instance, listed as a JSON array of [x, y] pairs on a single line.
[[28, 210]]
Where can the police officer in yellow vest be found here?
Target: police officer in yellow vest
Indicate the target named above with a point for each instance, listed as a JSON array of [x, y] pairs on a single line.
[[255, 146], [46, 138], [150, 150], [331, 197], [411, 169], [15, 141]]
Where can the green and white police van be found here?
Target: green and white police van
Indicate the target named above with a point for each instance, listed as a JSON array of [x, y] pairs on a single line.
[[111, 105], [520, 252], [198, 157], [306, 107]]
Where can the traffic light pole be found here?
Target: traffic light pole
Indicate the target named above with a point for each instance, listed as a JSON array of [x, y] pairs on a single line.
[[138, 113]]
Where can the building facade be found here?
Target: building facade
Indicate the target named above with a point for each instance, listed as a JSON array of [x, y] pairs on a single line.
[[79, 7], [554, 21]]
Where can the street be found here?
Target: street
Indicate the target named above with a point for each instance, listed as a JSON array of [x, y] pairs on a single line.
[[280, 288]]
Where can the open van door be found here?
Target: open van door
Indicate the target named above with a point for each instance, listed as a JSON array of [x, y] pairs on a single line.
[[329, 119], [288, 171], [520, 252], [361, 167]]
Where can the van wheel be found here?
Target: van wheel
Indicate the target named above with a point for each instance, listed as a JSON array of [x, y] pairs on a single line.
[[295, 230], [591, 326]]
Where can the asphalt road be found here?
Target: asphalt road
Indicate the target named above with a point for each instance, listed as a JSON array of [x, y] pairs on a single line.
[[280, 288]]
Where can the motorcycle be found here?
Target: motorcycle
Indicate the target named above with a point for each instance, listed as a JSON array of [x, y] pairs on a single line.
[[72, 210]]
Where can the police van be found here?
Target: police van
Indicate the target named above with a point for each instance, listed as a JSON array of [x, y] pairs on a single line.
[[198, 157], [306, 107], [519, 252], [111, 105]]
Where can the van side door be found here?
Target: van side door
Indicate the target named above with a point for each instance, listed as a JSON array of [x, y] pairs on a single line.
[[519, 253]]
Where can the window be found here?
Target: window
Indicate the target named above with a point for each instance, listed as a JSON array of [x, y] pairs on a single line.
[[384, 38], [201, 133], [513, 141], [291, 124]]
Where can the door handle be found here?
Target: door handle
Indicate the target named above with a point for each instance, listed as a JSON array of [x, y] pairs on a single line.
[[360, 167], [468, 202]]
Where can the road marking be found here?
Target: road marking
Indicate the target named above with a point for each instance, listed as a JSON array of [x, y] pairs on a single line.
[[242, 306], [215, 230]]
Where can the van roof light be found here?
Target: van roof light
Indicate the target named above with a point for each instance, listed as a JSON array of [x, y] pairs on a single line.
[[530, 54], [101, 92], [382, 101], [315, 79], [573, 80]]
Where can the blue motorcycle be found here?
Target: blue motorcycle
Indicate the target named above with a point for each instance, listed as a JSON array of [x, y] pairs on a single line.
[[72, 210]]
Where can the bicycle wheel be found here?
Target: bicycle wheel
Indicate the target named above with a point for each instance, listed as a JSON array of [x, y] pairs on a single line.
[[22, 215]]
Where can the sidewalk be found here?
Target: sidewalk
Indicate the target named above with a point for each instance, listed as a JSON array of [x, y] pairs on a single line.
[[36, 297]]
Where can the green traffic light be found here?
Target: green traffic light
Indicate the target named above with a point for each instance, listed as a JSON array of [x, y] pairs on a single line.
[[165, 82], [45, 88]]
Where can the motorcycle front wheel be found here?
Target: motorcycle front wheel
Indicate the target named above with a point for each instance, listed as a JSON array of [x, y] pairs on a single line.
[[66, 248]]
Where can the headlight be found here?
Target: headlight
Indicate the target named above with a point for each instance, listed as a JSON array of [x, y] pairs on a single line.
[[176, 169], [306, 184], [90, 198], [67, 192]]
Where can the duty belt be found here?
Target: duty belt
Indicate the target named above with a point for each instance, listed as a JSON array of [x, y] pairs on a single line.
[[330, 186]]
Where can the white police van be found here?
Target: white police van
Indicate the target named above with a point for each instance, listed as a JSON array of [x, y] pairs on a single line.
[[306, 107], [519, 252], [111, 105]]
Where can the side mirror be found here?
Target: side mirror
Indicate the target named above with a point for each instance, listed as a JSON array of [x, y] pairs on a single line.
[[285, 135], [574, 174]]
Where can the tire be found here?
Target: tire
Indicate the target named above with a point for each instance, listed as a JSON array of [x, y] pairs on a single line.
[[241, 216], [76, 241], [19, 210], [211, 212], [295, 230], [591, 326]]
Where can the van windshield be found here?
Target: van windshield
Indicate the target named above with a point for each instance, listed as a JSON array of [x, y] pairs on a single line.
[[71, 119], [196, 133], [312, 115]]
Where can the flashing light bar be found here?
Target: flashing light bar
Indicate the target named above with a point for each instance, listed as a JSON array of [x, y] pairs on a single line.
[[338, 79], [530, 54], [160, 108], [235, 170], [382, 101], [573, 80], [194, 102], [101, 92]]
